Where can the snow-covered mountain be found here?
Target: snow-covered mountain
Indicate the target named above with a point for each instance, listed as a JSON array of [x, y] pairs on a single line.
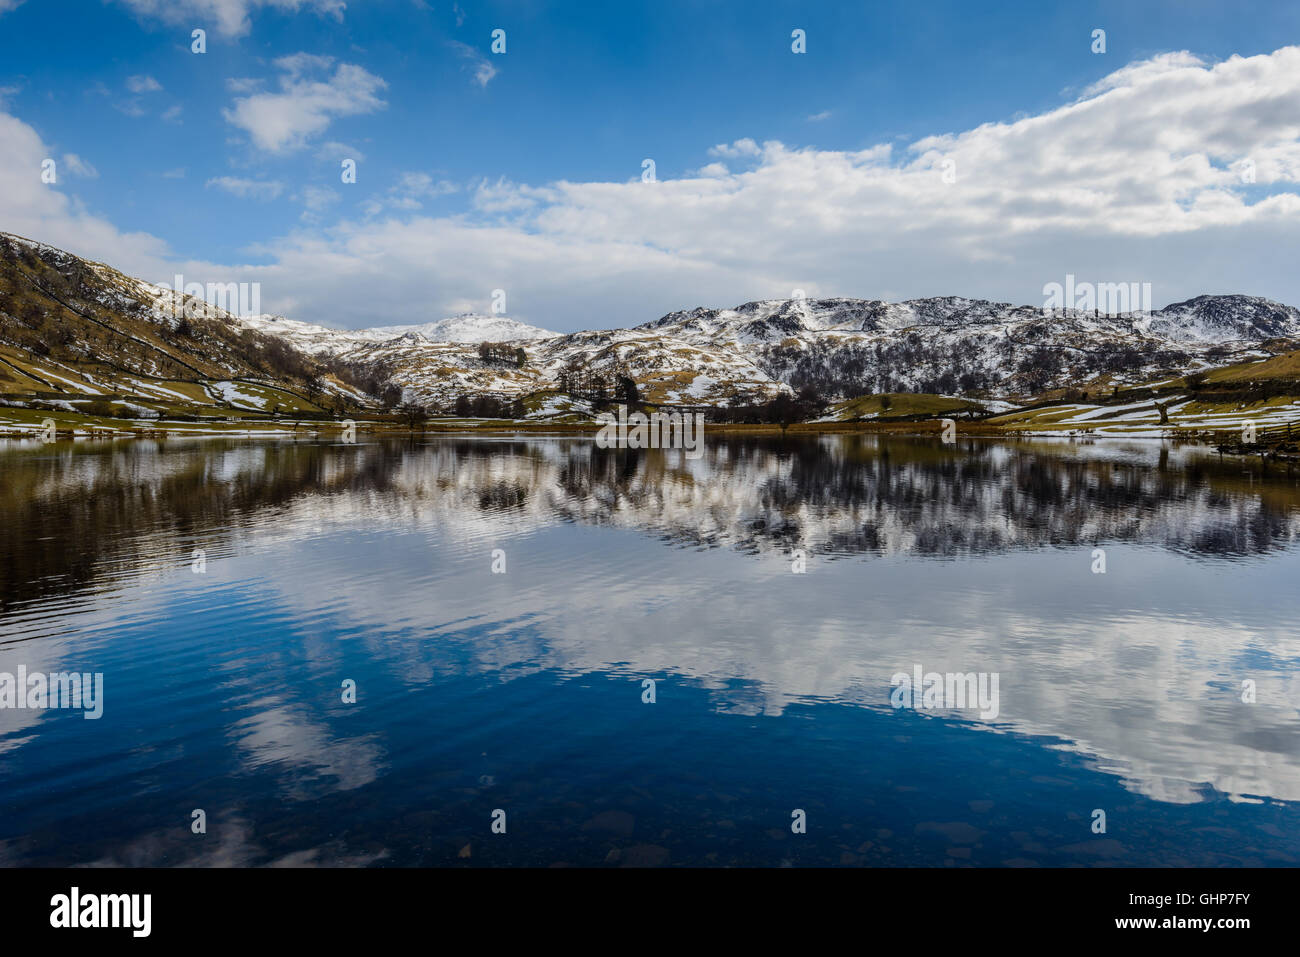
[[465, 328], [469, 327], [949, 345], [845, 347], [703, 356]]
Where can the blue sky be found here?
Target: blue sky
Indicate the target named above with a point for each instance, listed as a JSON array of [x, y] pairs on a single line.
[[229, 162]]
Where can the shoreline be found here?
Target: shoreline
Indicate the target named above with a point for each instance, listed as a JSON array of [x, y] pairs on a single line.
[[268, 428]]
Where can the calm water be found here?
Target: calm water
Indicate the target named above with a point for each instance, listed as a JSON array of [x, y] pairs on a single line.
[[522, 691]]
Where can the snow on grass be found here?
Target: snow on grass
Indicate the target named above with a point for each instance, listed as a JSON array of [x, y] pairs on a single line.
[[558, 405], [701, 386], [159, 391], [237, 394], [74, 385], [995, 405]]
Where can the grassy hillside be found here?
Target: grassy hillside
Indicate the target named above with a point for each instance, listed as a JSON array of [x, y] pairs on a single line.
[[1282, 369], [72, 330], [903, 405]]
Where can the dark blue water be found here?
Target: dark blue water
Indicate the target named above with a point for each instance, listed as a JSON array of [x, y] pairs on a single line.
[[522, 691]]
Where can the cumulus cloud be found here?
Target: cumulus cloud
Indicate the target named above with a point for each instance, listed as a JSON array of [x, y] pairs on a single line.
[[1141, 178], [229, 17], [33, 209], [309, 99], [736, 150]]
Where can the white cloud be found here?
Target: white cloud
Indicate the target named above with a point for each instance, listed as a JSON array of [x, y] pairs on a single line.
[[142, 84], [172, 113], [1135, 181], [247, 188], [7, 5], [296, 64], [229, 17], [504, 196], [409, 193], [315, 200], [30, 208], [336, 151], [736, 150], [483, 68], [818, 117], [1140, 71], [1131, 183], [283, 121]]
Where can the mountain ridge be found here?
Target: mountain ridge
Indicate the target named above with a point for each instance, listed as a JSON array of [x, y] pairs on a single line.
[[841, 347]]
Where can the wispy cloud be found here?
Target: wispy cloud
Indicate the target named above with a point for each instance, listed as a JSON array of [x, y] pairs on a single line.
[[334, 150], [230, 18], [142, 84], [77, 166], [410, 192], [477, 62], [315, 200], [260, 189]]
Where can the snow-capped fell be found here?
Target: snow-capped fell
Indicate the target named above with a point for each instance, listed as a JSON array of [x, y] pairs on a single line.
[[467, 327], [1223, 319]]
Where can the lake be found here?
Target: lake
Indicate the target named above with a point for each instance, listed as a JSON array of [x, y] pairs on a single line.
[[387, 653]]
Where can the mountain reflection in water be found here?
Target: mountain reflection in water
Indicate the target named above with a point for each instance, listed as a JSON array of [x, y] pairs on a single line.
[[522, 690]]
